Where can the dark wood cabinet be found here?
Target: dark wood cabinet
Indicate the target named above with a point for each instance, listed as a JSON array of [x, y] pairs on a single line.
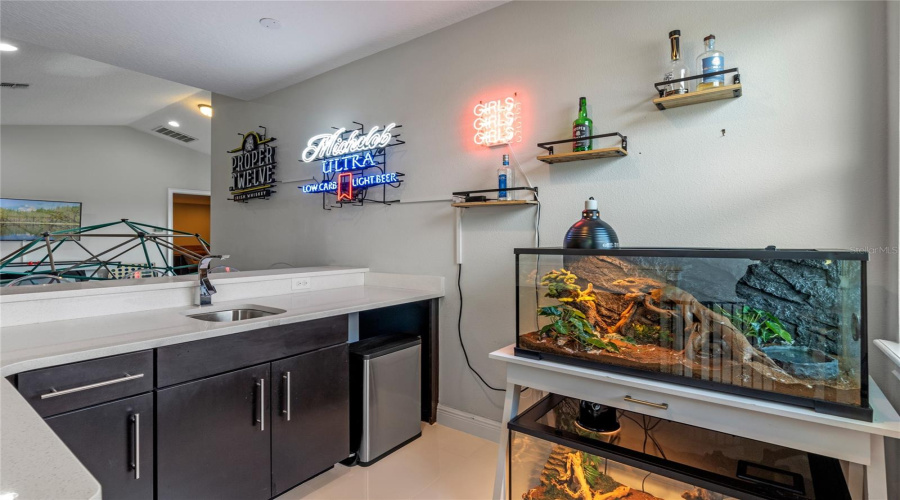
[[243, 416], [114, 441], [310, 416], [213, 437]]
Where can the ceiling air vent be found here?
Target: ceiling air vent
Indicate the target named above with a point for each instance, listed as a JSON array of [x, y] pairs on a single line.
[[178, 136], [11, 85]]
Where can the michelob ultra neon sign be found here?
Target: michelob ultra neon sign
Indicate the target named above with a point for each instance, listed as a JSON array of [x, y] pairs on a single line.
[[352, 162], [324, 146]]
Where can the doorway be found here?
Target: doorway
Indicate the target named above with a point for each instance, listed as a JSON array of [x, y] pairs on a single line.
[[189, 212]]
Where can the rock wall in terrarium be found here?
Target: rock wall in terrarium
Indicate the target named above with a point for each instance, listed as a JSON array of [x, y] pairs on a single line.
[[789, 327]]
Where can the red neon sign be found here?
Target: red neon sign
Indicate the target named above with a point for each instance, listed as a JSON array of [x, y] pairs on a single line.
[[496, 122], [345, 191]]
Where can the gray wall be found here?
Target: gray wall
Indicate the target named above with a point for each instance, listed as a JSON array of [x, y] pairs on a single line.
[[803, 163], [115, 172], [881, 368]]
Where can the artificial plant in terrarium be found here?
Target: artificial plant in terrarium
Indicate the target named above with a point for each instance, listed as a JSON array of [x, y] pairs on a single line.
[[566, 322]]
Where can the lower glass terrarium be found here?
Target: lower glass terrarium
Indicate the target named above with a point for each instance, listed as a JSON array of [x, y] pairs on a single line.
[[783, 325], [553, 457]]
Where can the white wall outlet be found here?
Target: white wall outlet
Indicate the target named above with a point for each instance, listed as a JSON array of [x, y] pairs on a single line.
[[300, 283]]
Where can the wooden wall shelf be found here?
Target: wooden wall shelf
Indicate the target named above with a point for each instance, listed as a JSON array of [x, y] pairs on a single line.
[[714, 94], [495, 203], [616, 152], [613, 152]]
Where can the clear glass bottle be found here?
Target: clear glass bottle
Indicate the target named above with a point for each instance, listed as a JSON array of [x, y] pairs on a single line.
[[582, 127], [709, 62], [504, 180], [676, 69]]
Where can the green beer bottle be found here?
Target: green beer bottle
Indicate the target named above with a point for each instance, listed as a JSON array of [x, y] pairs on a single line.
[[582, 127]]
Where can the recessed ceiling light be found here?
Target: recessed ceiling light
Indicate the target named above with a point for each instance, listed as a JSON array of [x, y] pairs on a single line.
[[5, 47], [268, 22], [173, 123], [205, 109]]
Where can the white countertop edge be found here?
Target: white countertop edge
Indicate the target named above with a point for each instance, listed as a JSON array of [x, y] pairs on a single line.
[[105, 287], [890, 349], [886, 420], [281, 319], [46, 468]]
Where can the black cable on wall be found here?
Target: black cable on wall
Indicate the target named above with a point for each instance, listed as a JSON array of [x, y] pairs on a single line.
[[459, 331]]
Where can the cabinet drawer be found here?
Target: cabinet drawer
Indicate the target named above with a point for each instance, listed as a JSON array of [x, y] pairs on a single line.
[[69, 387], [203, 358]]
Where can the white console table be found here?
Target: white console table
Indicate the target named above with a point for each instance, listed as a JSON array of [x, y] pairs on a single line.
[[857, 442]]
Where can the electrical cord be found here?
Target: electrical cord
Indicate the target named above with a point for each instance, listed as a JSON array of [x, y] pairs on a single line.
[[459, 331], [537, 238]]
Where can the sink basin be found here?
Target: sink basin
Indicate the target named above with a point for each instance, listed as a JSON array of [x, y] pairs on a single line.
[[239, 314]]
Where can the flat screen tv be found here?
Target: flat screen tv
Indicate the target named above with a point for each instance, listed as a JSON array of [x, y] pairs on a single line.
[[25, 220]]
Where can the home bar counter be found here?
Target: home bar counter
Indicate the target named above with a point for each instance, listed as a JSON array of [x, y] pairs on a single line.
[[55, 325]]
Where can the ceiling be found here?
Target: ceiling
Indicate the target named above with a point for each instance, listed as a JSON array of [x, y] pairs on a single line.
[[189, 119], [220, 45], [71, 90]]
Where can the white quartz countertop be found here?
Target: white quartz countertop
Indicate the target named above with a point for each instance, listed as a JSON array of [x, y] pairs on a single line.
[[36, 464], [39, 345]]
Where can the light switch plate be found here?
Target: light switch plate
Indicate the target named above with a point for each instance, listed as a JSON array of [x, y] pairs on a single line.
[[300, 283]]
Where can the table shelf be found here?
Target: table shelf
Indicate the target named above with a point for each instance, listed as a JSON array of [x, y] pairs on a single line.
[[493, 203], [698, 97], [615, 152], [733, 91], [611, 152]]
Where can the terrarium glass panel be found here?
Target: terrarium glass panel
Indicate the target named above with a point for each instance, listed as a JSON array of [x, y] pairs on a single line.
[[542, 470], [554, 456], [782, 325]]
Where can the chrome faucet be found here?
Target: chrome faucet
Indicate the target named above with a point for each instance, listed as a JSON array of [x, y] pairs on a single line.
[[206, 287]]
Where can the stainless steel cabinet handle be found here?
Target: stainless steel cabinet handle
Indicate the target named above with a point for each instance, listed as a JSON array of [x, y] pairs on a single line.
[[661, 406], [54, 393], [287, 395], [261, 385], [136, 459]]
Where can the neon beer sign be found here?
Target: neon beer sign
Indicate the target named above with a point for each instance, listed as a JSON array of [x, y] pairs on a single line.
[[324, 146], [496, 122], [352, 162]]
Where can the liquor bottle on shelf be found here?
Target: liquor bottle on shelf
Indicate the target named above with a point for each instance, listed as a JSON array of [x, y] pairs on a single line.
[[582, 127], [711, 61], [504, 179], [676, 69]]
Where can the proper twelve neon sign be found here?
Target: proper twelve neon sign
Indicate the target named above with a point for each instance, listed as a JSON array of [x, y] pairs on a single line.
[[496, 122]]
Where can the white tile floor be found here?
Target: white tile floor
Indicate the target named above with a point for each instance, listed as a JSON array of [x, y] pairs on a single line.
[[443, 464]]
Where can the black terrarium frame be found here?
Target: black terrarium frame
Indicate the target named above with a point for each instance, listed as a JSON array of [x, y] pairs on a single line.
[[827, 478], [862, 412]]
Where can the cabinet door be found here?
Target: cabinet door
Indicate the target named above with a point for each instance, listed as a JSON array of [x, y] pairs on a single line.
[[311, 415], [213, 437], [114, 441]]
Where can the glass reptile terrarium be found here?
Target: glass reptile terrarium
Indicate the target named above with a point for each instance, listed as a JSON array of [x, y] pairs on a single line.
[[782, 325], [552, 456]]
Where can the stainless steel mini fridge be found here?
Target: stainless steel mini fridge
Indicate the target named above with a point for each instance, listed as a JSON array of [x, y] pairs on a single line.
[[385, 375]]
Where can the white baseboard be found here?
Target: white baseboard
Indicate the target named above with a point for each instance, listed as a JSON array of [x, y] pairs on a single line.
[[469, 423]]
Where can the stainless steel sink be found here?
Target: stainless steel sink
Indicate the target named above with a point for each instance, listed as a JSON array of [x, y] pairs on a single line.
[[239, 314]]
